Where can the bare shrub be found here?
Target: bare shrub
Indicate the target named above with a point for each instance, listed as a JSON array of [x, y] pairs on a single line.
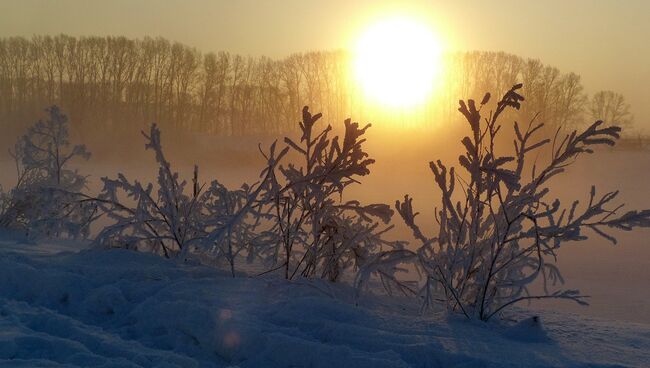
[[293, 218], [170, 219], [164, 220], [498, 228], [318, 233], [45, 200]]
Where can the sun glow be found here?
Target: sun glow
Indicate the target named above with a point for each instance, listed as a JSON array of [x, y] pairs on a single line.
[[397, 62]]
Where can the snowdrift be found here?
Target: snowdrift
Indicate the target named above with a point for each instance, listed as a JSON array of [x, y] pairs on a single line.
[[62, 305]]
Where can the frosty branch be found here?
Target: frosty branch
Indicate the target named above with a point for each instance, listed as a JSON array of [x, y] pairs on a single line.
[[499, 233]]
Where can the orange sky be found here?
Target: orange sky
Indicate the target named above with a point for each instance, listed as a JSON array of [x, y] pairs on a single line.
[[606, 42]]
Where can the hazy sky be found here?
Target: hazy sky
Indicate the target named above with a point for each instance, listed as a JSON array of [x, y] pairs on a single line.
[[606, 42]]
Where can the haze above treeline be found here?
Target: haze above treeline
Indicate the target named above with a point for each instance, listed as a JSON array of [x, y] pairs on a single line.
[[108, 84], [602, 41]]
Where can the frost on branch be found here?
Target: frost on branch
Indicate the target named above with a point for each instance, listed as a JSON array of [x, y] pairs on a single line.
[[318, 233], [237, 221], [46, 199], [294, 218], [499, 227], [171, 219], [164, 220]]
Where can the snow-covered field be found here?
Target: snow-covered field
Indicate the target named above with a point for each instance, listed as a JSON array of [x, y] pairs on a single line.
[[65, 306]]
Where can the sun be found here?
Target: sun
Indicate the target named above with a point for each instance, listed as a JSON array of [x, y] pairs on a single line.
[[397, 62]]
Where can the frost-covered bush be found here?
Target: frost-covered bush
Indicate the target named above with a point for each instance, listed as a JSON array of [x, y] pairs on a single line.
[[318, 233], [499, 226], [237, 221], [164, 221], [231, 235], [47, 200], [294, 218], [171, 219]]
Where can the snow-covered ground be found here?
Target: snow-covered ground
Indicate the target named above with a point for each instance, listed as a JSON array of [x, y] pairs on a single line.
[[62, 305]]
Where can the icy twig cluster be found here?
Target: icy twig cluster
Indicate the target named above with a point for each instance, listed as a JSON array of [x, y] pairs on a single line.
[[499, 231], [292, 219], [318, 233], [172, 220], [45, 200]]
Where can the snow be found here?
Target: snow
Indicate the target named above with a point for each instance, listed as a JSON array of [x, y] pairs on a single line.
[[66, 305]]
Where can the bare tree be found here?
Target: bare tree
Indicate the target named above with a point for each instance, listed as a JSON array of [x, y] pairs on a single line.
[[611, 107]]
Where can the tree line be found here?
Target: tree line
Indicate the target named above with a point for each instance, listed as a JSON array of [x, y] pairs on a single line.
[[106, 84]]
